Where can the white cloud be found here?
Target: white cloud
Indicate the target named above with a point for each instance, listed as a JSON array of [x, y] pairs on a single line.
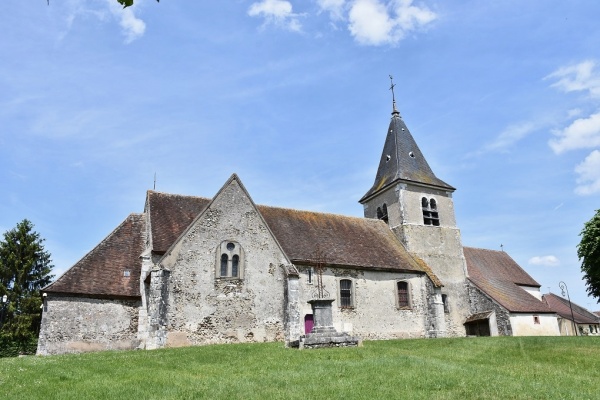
[[373, 22], [511, 135], [335, 8], [578, 77], [370, 22], [133, 27], [589, 174], [581, 134], [584, 132], [278, 12], [547, 261]]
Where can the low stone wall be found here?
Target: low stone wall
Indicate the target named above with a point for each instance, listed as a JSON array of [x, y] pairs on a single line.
[[75, 325]]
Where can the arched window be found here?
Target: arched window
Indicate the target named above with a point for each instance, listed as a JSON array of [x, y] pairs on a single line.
[[403, 294], [235, 262], [430, 214], [224, 262], [382, 213], [230, 263], [346, 295], [385, 213]]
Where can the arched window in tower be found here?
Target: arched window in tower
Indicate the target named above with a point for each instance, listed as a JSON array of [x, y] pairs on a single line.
[[385, 213], [230, 263], [430, 213], [382, 213]]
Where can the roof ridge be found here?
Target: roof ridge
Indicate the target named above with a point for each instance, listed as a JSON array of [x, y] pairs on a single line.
[[269, 206], [481, 248]]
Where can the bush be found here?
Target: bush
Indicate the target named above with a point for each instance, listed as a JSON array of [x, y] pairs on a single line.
[[9, 347]]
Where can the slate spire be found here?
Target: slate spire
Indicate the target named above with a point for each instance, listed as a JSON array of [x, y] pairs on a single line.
[[402, 160]]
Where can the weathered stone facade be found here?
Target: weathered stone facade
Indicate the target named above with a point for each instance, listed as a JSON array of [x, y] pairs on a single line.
[[374, 303], [74, 324], [202, 308]]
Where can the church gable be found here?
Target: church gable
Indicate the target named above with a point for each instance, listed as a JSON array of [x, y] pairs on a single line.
[[230, 215], [225, 279]]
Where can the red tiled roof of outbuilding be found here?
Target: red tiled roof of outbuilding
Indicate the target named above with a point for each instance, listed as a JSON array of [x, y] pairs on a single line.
[[499, 276], [562, 308]]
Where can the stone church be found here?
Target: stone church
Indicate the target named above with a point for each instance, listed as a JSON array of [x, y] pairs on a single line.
[[192, 270]]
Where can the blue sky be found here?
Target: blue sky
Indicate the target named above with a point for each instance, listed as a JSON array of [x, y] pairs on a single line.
[[503, 97]]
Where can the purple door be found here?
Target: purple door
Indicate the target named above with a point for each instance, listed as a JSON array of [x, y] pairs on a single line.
[[308, 323]]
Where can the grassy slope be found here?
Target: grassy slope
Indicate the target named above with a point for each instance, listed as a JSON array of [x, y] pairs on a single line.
[[472, 368]]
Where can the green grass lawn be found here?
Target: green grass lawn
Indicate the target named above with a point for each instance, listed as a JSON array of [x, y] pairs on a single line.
[[471, 368]]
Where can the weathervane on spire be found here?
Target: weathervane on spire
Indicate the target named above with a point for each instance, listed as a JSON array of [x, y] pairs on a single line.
[[392, 85]]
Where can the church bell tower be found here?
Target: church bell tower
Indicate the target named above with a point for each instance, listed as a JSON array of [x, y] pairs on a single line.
[[418, 208]]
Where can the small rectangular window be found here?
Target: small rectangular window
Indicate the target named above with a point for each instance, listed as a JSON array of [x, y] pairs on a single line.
[[403, 300], [536, 319], [345, 293], [445, 301], [309, 277]]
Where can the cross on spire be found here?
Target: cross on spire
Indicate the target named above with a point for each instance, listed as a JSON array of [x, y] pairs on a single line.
[[392, 85]]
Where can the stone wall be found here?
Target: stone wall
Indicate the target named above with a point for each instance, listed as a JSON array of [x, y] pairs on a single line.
[[480, 303], [375, 314], [204, 308], [75, 324]]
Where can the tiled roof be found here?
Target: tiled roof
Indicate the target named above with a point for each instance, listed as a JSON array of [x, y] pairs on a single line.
[[479, 316], [170, 214], [499, 276], [101, 271], [402, 160], [561, 307], [344, 241]]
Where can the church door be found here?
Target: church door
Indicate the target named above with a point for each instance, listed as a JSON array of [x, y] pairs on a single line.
[[308, 323]]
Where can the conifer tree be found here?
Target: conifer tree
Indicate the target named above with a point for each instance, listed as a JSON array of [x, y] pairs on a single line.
[[588, 252], [25, 268]]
